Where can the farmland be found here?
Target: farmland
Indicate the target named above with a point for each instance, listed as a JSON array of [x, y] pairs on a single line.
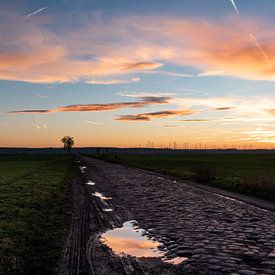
[[250, 174], [34, 212]]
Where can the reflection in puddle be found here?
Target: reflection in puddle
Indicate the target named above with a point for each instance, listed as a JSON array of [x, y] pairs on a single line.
[[177, 260], [108, 210], [131, 240], [82, 168], [90, 182], [101, 196]]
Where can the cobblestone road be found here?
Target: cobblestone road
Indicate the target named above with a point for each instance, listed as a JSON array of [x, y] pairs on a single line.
[[218, 235]]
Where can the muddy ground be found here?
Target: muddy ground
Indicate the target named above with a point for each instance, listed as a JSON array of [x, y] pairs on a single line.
[[218, 235]]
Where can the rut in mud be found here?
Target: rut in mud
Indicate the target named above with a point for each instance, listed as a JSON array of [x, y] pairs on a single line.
[[213, 234]]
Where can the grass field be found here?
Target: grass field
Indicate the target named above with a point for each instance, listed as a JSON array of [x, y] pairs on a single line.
[[251, 174], [34, 212]]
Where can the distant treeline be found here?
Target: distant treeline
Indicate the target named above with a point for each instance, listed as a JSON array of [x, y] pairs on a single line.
[[123, 151]]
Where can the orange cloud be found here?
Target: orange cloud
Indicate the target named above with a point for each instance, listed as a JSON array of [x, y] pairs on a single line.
[[149, 116], [225, 48], [195, 120], [223, 108], [32, 53], [146, 101], [271, 112], [141, 66]]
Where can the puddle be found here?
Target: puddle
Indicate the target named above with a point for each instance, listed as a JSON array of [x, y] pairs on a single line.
[[105, 205], [177, 260], [108, 210], [101, 196], [82, 168], [90, 182], [131, 240]]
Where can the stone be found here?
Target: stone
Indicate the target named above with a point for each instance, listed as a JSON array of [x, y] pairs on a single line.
[[247, 272], [271, 254]]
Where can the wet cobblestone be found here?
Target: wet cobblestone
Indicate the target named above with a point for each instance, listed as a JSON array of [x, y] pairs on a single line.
[[218, 234]]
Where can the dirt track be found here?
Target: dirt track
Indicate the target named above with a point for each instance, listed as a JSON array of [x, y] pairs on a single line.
[[218, 235]]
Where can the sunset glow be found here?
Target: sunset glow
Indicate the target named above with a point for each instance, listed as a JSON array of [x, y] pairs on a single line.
[[180, 74]]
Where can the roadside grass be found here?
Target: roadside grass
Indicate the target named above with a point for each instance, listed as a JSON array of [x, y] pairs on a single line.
[[35, 196], [250, 174]]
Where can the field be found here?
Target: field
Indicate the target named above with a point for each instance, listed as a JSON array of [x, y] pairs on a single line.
[[251, 174], [34, 212]]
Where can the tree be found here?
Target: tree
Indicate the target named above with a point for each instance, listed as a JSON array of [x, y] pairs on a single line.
[[68, 143]]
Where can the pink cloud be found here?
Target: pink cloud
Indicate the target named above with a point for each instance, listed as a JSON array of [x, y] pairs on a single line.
[[134, 44]]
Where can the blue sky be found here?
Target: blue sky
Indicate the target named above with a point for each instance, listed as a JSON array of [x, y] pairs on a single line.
[[120, 73]]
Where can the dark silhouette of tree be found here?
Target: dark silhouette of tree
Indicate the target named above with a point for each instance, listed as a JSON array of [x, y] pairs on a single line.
[[68, 143]]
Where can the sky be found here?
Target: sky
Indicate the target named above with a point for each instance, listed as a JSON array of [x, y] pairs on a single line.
[[120, 73]]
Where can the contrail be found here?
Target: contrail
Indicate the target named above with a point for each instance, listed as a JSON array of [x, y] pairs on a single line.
[[260, 48], [255, 40], [235, 7], [33, 13]]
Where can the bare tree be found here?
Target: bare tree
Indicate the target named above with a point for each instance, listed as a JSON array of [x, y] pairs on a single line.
[[68, 143]]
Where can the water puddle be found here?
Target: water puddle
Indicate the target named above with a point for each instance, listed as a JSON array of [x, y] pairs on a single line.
[[82, 168], [108, 210], [90, 183], [131, 240], [101, 196], [177, 260]]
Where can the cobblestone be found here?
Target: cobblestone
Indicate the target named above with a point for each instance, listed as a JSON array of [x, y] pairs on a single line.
[[214, 232]]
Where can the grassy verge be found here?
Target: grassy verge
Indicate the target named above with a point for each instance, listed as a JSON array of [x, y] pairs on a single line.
[[35, 195], [250, 174]]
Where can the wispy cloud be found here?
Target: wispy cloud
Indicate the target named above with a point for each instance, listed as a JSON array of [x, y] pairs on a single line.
[[188, 75], [34, 13], [193, 91], [258, 135], [42, 56], [223, 108], [141, 66], [4, 124], [92, 122], [146, 101], [112, 81], [271, 111], [195, 120], [147, 94], [171, 126], [216, 103], [42, 96], [41, 126], [161, 114]]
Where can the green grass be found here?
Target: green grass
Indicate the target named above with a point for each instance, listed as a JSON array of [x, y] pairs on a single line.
[[35, 193], [251, 174]]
